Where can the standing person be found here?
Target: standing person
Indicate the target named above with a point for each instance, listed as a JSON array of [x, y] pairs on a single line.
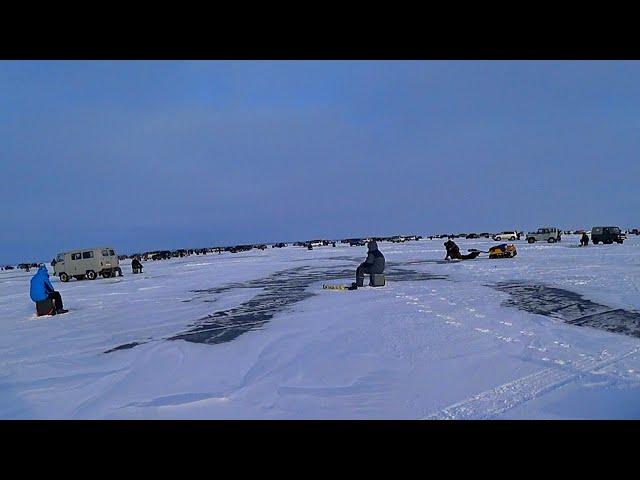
[[374, 263], [41, 289]]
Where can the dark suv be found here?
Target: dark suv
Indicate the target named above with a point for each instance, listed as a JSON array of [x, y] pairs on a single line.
[[606, 235]]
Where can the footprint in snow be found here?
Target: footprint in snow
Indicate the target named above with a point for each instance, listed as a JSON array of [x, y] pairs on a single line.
[[483, 330], [506, 323]]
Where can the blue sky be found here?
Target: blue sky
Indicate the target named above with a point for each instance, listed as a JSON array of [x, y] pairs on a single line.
[[148, 155]]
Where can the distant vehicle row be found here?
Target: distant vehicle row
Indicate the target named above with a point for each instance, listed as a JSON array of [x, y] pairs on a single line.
[[90, 263]]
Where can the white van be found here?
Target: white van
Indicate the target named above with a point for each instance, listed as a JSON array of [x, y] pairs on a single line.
[[87, 263]]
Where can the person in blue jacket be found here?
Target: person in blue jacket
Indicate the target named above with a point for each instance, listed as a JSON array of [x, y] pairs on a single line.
[[41, 289]]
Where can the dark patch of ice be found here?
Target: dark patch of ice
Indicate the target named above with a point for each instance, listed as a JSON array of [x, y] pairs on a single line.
[[123, 347], [280, 291], [570, 307], [277, 292]]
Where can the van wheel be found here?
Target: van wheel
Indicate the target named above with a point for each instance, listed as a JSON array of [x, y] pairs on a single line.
[[106, 274], [91, 275], [595, 242], [512, 238], [531, 240], [551, 240], [64, 277]]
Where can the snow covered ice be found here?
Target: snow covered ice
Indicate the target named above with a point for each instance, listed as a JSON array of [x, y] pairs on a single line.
[[552, 333]]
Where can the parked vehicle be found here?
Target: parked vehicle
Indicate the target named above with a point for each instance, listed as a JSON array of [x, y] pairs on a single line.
[[509, 235], [545, 234], [396, 239], [239, 248], [473, 235], [606, 235], [87, 263]]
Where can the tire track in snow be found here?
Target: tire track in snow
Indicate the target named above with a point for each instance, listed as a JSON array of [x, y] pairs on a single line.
[[498, 400]]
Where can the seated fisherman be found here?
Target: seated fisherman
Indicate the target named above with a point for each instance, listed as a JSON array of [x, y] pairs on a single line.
[[41, 289], [453, 252], [136, 265], [373, 264]]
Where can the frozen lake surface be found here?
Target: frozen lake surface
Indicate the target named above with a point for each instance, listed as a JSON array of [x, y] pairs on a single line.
[[551, 333]]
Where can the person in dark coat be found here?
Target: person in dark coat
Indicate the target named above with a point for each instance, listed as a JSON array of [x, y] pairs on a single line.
[[41, 289], [453, 252], [136, 265], [374, 263], [584, 240]]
